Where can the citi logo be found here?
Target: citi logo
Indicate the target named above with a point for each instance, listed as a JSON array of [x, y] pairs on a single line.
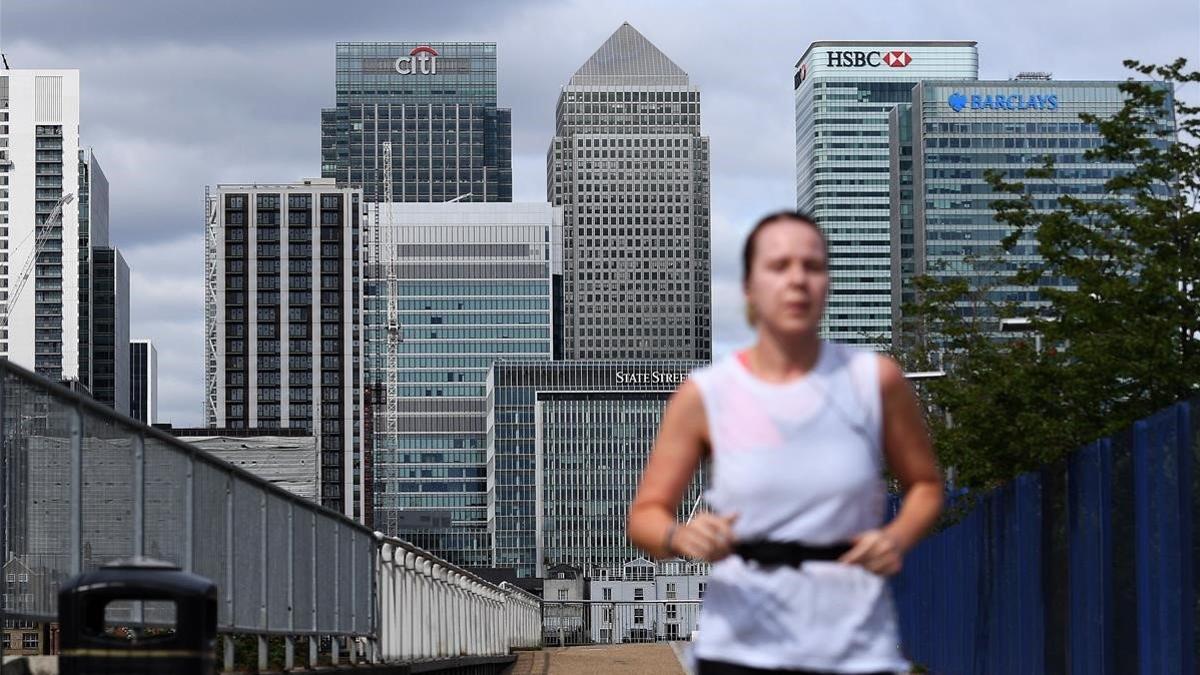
[[422, 59], [855, 59]]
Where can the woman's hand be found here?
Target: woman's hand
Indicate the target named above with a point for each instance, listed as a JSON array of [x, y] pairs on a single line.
[[877, 551], [707, 537]]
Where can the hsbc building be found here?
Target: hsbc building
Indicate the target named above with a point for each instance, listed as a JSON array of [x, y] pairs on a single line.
[[844, 91]]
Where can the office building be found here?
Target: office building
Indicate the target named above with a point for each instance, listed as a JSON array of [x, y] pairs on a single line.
[[110, 328], [567, 443], [630, 168], [143, 381], [448, 289], [40, 282], [945, 140], [844, 91], [435, 103], [281, 320], [92, 210]]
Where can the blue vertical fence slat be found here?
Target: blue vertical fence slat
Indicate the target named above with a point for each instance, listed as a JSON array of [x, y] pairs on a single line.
[[972, 598], [1187, 580], [1090, 630]]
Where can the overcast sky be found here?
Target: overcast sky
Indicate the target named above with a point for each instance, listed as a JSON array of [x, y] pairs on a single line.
[[178, 95]]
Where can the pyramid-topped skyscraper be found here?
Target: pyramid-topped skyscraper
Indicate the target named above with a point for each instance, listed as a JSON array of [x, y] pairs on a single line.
[[630, 169]]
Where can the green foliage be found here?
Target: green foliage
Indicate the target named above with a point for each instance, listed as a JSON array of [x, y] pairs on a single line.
[[1119, 345]]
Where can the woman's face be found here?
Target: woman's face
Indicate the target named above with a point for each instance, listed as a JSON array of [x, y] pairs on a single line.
[[789, 278]]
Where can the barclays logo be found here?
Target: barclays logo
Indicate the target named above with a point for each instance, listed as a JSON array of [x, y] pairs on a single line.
[[959, 102]]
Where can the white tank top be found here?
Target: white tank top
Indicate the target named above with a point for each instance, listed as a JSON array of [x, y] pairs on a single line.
[[798, 461]]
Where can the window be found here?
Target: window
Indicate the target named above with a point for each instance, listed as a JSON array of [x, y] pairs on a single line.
[[702, 587], [29, 640], [670, 591], [562, 594], [639, 615], [672, 611], [606, 615], [639, 594], [608, 594]]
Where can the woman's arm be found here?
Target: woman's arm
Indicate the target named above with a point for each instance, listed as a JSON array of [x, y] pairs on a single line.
[[909, 456], [680, 446]]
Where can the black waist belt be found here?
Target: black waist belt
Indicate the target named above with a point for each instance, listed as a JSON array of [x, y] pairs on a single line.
[[787, 553]]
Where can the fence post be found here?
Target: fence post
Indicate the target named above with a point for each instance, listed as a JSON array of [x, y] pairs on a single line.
[[264, 575], [139, 506], [76, 490], [189, 515], [229, 569]]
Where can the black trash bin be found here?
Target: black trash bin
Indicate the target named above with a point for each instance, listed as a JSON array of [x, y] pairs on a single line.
[[87, 648]]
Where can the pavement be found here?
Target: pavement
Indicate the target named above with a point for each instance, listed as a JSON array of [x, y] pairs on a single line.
[[660, 658]]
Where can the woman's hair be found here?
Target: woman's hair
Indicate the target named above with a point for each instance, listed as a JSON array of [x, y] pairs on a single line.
[[748, 247]]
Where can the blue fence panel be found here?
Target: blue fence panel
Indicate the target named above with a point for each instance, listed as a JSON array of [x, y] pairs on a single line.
[[1026, 583]]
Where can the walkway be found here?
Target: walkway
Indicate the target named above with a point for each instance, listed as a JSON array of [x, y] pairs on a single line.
[[631, 659]]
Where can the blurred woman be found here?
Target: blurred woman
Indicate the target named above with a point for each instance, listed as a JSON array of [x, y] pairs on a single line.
[[799, 432]]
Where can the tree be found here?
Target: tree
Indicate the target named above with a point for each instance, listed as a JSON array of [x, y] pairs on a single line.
[[1120, 342]]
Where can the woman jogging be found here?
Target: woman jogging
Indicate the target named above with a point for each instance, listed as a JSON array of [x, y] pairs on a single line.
[[799, 432]]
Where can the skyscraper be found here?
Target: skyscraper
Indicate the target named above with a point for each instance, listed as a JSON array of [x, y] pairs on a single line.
[[448, 289], [844, 92], [143, 381], [945, 140], [93, 234], [630, 169], [281, 320], [39, 118], [435, 102], [110, 328]]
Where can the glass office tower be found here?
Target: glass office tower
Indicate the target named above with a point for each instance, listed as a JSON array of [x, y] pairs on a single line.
[[844, 93], [448, 289], [946, 139], [435, 102], [567, 443]]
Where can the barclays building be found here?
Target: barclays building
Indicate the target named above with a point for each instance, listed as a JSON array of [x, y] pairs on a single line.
[[943, 142]]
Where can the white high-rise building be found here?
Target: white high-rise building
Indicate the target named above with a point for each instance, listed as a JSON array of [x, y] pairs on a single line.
[[39, 164], [844, 92]]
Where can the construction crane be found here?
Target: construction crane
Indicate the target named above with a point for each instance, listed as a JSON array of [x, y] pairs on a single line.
[[41, 236], [386, 239]]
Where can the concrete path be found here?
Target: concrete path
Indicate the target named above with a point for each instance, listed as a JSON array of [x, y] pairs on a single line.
[[632, 659]]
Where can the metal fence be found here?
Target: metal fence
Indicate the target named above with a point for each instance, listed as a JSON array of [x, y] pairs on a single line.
[[431, 609], [1087, 566], [83, 486], [568, 623]]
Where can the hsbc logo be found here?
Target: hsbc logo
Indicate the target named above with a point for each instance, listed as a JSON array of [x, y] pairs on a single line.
[[897, 58], [422, 59]]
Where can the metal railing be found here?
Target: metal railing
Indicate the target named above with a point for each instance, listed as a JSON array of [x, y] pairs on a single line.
[[81, 486], [431, 609], [568, 623]]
